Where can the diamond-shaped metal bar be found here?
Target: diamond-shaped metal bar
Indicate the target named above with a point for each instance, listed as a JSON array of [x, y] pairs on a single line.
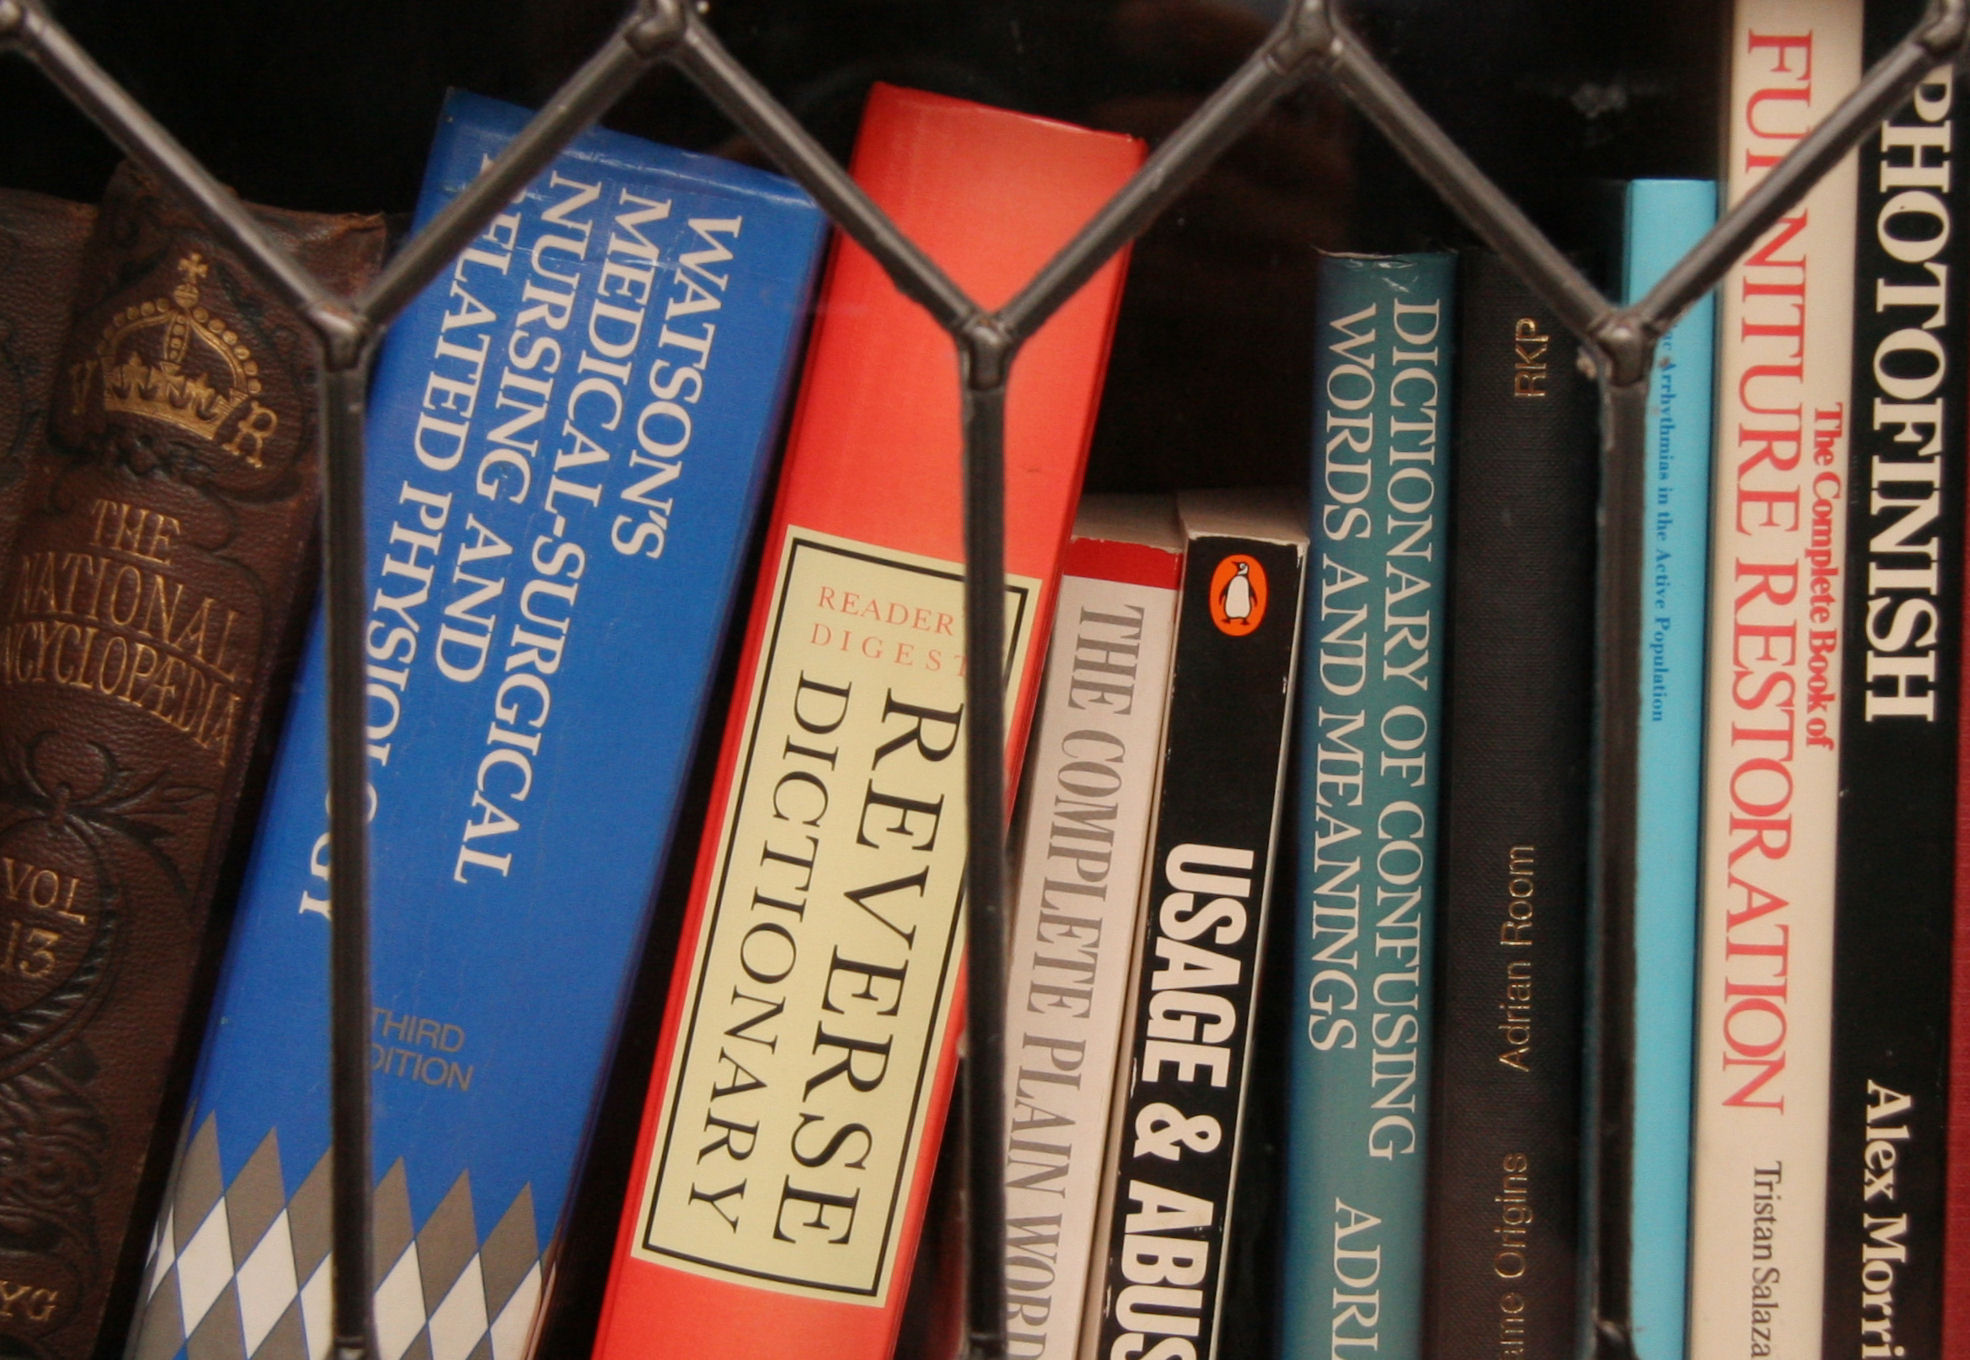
[[983, 364], [984, 352], [1627, 341], [631, 50], [1625, 344], [1485, 208], [1311, 37], [1611, 957], [1939, 38], [346, 600], [986, 346], [1264, 77], [746, 102]]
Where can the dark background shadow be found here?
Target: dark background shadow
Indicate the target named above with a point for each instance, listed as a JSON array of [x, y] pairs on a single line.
[[329, 105]]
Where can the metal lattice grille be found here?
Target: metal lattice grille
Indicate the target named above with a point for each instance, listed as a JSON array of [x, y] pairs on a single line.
[[1313, 41]]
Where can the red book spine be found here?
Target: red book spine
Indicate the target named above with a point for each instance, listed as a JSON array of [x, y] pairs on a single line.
[[810, 1039], [1956, 1212]]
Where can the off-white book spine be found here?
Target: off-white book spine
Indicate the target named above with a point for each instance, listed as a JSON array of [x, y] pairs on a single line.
[[1764, 1021], [1091, 781]]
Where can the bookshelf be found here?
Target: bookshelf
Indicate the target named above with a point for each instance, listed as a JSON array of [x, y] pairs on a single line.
[[1277, 128]]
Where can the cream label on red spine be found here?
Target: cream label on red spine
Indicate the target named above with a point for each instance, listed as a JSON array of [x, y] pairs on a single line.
[[829, 945]]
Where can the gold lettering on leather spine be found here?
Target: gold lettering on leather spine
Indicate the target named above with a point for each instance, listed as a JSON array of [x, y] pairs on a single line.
[[112, 621]]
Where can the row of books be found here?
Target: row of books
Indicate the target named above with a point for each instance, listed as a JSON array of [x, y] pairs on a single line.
[[1433, 952], [1782, 1148], [572, 432], [571, 435]]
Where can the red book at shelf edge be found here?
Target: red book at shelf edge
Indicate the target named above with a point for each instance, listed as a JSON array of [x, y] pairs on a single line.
[[1956, 1217], [810, 1038]]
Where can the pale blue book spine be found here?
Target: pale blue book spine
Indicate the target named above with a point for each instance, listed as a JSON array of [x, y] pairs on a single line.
[[1664, 218], [570, 433], [1371, 717]]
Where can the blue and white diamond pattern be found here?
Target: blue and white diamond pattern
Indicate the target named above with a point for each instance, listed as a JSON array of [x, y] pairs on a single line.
[[242, 1273]]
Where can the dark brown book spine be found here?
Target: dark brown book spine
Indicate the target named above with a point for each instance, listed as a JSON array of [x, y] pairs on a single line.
[[154, 587], [41, 242]]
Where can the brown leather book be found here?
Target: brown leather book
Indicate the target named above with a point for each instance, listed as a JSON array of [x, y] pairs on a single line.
[[155, 586], [41, 240]]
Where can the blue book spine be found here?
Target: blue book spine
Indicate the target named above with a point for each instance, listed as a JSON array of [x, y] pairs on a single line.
[[570, 433], [1357, 1141], [1663, 220]]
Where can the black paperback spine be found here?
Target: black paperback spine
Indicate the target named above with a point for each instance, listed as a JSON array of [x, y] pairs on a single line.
[[1895, 886], [1503, 1229], [1187, 1040]]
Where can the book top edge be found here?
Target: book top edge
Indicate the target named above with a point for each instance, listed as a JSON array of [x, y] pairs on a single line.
[[885, 99], [464, 110], [21, 204], [1277, 514], [1386, 258], [1149, 519]]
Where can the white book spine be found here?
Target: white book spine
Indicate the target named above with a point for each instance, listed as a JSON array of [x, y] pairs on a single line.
[[1764, 1021], [1091, 781]]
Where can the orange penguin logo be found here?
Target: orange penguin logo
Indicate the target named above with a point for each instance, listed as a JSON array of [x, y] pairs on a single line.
[[1238, 595]]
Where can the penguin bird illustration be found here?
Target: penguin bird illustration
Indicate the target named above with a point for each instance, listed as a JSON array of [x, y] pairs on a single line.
[[1237, 599]]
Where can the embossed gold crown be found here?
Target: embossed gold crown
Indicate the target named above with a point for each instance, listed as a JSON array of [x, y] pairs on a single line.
[[173, 360]]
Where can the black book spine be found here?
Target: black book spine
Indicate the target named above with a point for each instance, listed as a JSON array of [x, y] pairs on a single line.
[[1174, 1139], [1505, 1162], [1895, 889]]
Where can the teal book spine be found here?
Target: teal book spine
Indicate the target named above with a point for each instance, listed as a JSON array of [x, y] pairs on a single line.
[[1371, 701], [1663, 220]]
